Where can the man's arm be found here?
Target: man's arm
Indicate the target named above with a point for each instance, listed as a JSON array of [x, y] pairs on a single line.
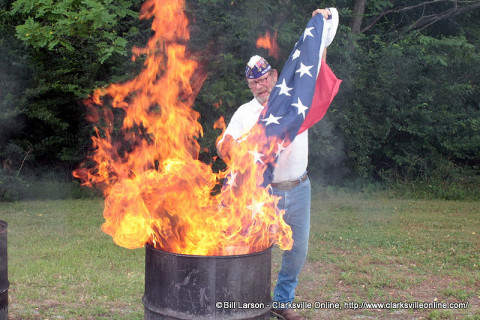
[[326, 14]]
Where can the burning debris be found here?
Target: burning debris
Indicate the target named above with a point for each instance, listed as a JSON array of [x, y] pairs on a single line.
[[269, 43], [156, 189]]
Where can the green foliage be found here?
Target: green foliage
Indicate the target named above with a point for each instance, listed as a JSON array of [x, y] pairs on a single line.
[[71, 23], [58, 52], [379, 4], [408, 108]]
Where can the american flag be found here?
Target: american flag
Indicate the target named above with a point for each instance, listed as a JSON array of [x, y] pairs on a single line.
[[304, 90]]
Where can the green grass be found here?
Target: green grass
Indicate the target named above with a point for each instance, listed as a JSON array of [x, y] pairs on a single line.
[[362, 248], [371, 249], [62, 266]]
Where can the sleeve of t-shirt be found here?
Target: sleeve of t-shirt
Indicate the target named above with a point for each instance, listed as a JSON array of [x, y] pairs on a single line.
[[234, 127]]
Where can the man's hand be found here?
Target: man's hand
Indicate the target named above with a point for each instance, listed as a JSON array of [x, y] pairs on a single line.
[[325, 12], [223, 149]]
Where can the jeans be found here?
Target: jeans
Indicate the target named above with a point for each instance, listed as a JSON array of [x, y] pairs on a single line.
[[296, 203]]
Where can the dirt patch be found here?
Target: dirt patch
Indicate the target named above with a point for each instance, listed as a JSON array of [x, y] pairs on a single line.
[[322, 282]]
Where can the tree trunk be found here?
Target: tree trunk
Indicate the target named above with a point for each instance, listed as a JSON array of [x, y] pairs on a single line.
[[357, 17]]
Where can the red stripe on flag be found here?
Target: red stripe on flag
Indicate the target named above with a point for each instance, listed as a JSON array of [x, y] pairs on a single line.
[[326, 88]]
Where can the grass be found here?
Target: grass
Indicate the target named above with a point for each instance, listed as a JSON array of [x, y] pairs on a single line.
[[376, 250], [363, 248], [62, 266]]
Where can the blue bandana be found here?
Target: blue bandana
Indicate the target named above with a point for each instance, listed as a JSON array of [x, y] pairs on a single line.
[[256, 67]]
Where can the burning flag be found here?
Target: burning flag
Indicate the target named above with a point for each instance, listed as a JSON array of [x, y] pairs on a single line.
[[156, 190]]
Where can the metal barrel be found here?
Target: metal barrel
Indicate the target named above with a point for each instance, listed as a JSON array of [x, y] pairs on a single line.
[[181, 286], [3, 271]]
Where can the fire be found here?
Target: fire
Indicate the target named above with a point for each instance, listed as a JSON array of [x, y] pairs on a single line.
[[269, 42], [156, 190]]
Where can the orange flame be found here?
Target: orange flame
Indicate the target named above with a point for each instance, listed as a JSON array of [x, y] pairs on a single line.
[[269, 42], [156, 189]]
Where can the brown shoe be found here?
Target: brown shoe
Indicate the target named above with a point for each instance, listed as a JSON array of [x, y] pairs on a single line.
[[286, 314]]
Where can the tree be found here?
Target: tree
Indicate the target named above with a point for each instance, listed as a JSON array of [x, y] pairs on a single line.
[[69, 48], [409, 15], [405, 108], [408, 104], [357, 15]]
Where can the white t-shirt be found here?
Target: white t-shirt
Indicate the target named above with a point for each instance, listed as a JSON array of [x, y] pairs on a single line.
[[292, 162]]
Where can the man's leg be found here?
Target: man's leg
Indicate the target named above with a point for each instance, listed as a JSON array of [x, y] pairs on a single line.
[[296, 203]]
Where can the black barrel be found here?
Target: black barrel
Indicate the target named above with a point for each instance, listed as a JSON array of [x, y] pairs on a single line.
[[181, 286], [3, 271]]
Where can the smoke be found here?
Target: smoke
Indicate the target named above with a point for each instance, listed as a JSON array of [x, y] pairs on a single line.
[[327, 157], [12, 122]]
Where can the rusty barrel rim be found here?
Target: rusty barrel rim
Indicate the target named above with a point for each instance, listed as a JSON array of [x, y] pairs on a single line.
[[4, 284], [233, 256]]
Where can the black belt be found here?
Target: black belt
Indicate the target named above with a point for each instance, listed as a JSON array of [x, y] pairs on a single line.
[[287, 185]]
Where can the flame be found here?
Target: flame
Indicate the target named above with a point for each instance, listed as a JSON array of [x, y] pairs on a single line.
[[218, 104], [269, 42], [156, 190]]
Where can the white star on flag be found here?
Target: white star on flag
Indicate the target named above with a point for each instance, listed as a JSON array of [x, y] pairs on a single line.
[[304, 70], [301, 108], [280, 148], [296, 54], [231, 179], [255, 207], [271, 119], [308, 33], [256, 156], [284, 89]]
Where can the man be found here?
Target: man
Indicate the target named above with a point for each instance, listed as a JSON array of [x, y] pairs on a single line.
[[290, 181]]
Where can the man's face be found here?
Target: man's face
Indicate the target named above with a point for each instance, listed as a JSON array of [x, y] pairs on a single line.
[[262, 86]]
